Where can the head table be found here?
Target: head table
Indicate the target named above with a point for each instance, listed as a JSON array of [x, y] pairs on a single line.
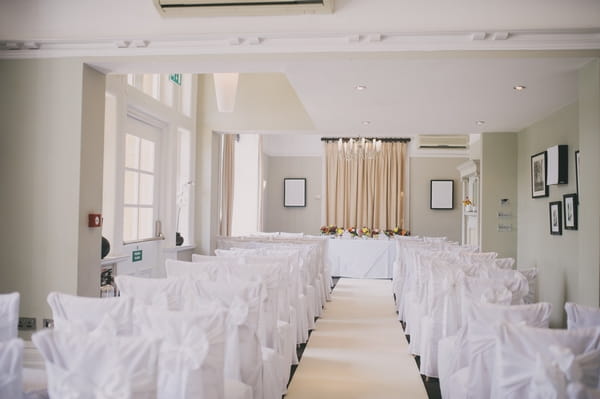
[[361, 257]]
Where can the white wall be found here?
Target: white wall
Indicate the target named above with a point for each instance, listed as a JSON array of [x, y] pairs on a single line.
[[589, 222], [499, 181], [90, 187], [556, 257], [429, 222], [40, 155], [306, 219]]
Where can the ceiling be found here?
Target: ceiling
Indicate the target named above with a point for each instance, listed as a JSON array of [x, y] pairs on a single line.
[[432, 67]]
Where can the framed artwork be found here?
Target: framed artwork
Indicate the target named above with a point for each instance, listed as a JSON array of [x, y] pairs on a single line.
[[294, 192], [441, 195], [539, 186], [577, 174], [570, 206], [556, 218]]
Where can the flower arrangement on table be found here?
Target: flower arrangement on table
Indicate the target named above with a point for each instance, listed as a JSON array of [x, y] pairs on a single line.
[[396, 231], [333, 230], [329, 230]]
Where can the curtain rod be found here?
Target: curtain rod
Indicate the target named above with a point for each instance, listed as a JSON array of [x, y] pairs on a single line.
[[383, 139]]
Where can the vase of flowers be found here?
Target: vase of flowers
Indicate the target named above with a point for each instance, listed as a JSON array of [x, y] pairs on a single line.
[[468, 204]]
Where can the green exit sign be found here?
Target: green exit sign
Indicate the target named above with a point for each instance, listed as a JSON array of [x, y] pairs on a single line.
[[175, 78], [136, 256]]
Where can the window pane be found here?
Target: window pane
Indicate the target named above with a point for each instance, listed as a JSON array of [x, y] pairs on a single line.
[[130, 79], [130, 223], [146, 223], [132, 151], [147, 156], [146, 189], [131, 187]]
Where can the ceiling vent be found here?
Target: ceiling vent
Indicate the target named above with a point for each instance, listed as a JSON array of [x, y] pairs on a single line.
[[443, 142], [207, 8]]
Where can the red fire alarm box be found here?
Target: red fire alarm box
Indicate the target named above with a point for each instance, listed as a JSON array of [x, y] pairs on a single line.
[[94, 220]]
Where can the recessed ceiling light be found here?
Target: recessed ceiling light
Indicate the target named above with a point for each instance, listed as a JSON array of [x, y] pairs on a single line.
[[480, 123], [360, 87], [366, 123], [519, 88]]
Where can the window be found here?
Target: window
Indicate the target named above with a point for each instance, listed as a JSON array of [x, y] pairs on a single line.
[[139, 181]]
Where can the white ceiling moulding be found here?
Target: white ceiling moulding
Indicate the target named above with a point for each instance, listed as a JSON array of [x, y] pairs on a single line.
[[211, 8], [266, 43], [226, 90]]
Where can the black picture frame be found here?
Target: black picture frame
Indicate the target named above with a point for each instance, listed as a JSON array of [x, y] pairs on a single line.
[[441, 194], [570, 205], [577, 165], [294, 192], [539, 167], [555, 213]]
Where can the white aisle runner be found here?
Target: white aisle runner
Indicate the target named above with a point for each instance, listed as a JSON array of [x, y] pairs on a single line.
[[358, 349]]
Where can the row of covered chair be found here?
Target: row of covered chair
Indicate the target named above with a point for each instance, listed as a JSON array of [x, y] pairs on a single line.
[[218, 327], [472, 320]]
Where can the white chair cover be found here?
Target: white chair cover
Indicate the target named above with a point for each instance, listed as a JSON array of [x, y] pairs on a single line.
[[545, 363], [243, 352], [504, 263], [192, 357], [163, 293], [480, 342], [97, 365], [11, 369], [92, 312], [9, 316], [580, 316], [531, 276]]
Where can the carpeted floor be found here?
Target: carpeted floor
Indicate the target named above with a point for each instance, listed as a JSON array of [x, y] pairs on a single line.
[[358, 349]]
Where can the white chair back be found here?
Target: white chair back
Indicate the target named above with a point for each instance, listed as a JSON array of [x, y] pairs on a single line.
[[98, 365], [192, 357], [480, 342], [160, 292], [541, 363], [9, 316], [11, 368], [580, 316], [92, 312]]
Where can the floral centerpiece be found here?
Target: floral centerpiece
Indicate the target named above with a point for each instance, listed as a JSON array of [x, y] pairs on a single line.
[[396, 231], [375, 232], [352, 231], [328, 230], [365, 231]]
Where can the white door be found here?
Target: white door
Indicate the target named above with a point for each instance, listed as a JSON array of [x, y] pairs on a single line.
[[141, 188]]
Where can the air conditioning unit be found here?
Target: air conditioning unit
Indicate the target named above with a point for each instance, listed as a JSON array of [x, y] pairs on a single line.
[[206, 8], [443, 142]]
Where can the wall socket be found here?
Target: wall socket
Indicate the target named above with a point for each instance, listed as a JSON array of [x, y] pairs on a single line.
[[48, 323], [27, 323]]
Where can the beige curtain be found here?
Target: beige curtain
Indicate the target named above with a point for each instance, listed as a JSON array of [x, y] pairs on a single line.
[[227, 179], [365, 192]]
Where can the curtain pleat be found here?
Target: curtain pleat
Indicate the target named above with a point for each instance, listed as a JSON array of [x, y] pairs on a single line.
[[365, 192]]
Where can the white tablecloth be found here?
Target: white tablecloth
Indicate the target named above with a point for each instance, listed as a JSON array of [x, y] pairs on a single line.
[[361, 258]]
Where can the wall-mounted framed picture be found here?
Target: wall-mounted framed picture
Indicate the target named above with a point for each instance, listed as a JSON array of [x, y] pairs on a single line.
[[294, 192], [555, 211], [577, 175], [539, 164], [441, 194], [570, 206]]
